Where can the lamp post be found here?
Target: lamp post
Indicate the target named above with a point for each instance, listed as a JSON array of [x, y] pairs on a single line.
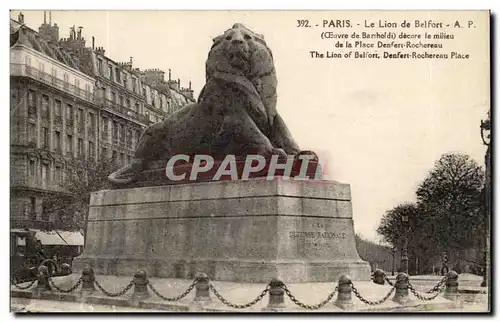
[[486, 138], [404, 256], [393, 259]]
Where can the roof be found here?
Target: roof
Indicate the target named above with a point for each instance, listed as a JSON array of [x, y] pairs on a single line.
[[23, 35]]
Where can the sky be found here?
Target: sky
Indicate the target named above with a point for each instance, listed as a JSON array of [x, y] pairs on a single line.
[[378, 125]]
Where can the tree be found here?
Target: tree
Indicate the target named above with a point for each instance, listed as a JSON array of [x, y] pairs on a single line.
[[447, 215], [83, 178], [451, 196]]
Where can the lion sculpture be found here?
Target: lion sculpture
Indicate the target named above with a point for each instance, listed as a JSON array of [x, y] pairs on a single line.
[[235, 113]]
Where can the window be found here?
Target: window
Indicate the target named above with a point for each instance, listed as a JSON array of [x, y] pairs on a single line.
[[144, 91], [92, 121], [99, 65], [54, 72], [45, 173], [122, 133], [27, 60], [128, 104], [58, 174], [129, 138], [69, 112], [31, 169], [32, 208], [57, 108], [45, 106], [45, 212], [125, 81], [45, 137], [41, 66], [118, 74], [137, 107], [87, 88], [69, 143], [122, 101], [134, 85], [31, 98], [57, 141], [110, 72], [80, 146], [122, 159], [66, 77], [113, 97], [32, 133], [115, 130], [91, 149], [77, 83], [79, 116], [113, 157], [104, 152]]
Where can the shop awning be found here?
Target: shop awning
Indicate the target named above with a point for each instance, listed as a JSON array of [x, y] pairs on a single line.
[[54, 237]]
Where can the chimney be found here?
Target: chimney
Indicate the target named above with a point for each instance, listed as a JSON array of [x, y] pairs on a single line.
[[93, 42], [44, 17], [131, 60], [169, 74], [20, 18], [80, 33], [50, 17]]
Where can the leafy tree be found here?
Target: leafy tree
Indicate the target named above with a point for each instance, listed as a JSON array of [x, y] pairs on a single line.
[[448, 213], [83, 178], [451, 196]]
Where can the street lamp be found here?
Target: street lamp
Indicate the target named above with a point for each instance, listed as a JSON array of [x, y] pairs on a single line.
[[486, 137], [404, 257]]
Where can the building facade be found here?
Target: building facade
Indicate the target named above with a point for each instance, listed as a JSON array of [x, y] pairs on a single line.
[[72, 102]]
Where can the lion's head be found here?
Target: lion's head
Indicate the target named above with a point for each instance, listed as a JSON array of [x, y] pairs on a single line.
[[241, 52]]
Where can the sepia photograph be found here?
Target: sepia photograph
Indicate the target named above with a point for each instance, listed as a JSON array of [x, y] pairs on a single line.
[[246, 161]]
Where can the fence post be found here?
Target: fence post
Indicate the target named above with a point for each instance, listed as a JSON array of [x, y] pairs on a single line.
[[379, 277], [140, 286], [88, 281], [401, 292], [276, 296], [451, 289], [344, 293], [43, 279], [65, 269], [202, 288]]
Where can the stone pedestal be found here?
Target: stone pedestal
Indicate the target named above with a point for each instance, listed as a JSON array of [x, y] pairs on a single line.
[[242, 231]]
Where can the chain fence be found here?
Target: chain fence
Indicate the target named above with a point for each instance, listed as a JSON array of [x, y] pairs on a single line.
[[110, 294], [172, 299], [306, 306], [423, 298], [438, 286], [366, 301], [62, 290], [240, 306], [23, 287]]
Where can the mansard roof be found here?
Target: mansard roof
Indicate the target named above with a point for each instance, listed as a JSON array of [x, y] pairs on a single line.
[[23, 35]]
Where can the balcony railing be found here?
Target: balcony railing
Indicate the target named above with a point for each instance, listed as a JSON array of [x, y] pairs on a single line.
[[34, 73], [117, 108], [31, 224]]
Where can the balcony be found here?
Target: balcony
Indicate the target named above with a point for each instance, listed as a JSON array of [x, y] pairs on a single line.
[[31, 224], [48, 79], [114, 107]]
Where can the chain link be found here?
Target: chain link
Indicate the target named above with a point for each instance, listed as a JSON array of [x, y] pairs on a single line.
[[388, 280], [69, 290], [362, 299], [421, 297], [172, 299], [237, 306], [122, 292], [23, 287], [438, 286], [310, 307]]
